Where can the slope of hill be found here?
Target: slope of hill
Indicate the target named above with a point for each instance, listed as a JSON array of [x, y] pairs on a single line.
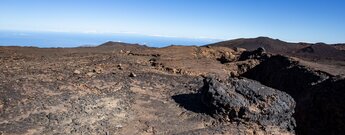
[[271, 45], [302, 50], [340, 46], [118, 45]]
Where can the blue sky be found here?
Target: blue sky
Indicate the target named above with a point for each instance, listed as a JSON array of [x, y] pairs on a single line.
[[291, 20]]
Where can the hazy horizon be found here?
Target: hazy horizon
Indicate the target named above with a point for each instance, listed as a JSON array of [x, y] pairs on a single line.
[[52, 39], [73, 39], [195, 21]]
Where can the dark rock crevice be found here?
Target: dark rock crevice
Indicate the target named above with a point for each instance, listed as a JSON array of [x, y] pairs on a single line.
[[285, 74], [319, 96]]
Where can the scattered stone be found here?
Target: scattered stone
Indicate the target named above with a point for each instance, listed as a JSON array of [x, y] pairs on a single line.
[[1, 104], [238, 49], [261, 50], [119, 66], [152, 60], [245, 100], [77, 72], [98, 70], [155, 55], [59, 78], [233, 73], [119, 126], [224, 59], [132, 74], [90, 74], [231, 56], [173, 70]]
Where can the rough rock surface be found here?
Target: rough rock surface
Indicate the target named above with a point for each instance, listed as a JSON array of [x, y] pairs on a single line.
[[321, 110], [319, 96], [286, 74], [40, 92], [259, 53], [245, 100]]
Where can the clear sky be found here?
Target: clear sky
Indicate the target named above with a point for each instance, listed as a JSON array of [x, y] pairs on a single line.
[[291, 20]]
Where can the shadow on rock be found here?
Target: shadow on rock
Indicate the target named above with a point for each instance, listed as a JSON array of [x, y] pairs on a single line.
[[319, 96], [191, 102]]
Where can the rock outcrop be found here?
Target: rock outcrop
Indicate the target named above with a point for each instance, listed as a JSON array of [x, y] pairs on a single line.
[[259, 53], [322, 109], [319, 96], [245, 100]]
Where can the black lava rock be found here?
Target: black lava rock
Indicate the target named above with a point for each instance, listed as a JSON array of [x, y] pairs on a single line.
[[245, 100], [259, 53], [132, 74]]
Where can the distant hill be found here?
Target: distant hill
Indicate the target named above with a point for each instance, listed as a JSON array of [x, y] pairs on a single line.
[[120, 44], [276, 46]]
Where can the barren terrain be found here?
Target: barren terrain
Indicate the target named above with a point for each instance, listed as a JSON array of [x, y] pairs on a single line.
[[119, 88]]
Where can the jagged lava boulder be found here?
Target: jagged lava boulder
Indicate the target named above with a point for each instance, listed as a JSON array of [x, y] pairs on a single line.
[[245, 100], [259, 53]]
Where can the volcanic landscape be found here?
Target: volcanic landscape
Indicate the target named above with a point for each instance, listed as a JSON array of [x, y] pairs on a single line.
[[244, 86]]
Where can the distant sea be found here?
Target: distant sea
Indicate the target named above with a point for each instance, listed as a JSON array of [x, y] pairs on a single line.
[[64, 39]]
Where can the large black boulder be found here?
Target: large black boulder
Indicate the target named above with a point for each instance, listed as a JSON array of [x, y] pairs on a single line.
[[245, 100]]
